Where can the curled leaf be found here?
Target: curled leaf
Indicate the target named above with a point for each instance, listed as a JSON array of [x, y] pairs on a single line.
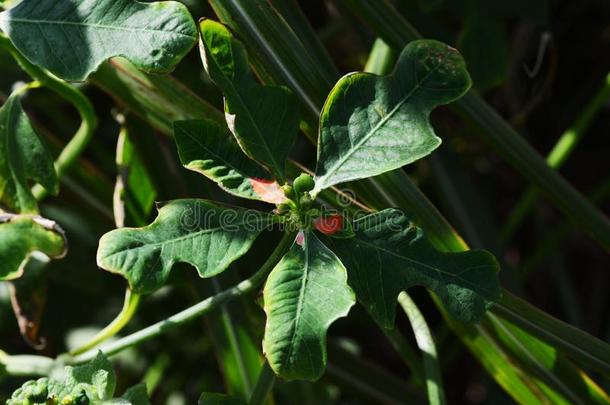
[[23, 156], [22, 235]]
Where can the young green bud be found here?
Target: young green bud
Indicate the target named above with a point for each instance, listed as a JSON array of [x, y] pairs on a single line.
[[288, 191], [303, 183], [305, 202]]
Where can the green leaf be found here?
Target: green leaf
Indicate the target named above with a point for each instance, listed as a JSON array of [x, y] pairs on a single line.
[[71, 38], [209, 149], [207, 236], [94, 382], [96, 378], [21, 235], [389, 254], [210, 398], [23, 156], [264, 119], [371, 124], [135, 395], [304, 294]]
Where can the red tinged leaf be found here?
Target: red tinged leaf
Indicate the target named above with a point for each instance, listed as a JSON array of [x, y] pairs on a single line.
[[268, 190], [329, 225], [300, 239]]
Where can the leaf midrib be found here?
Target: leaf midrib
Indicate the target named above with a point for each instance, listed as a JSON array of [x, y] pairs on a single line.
[[183, 237], [372, 131], [85, 25], [299, 309]]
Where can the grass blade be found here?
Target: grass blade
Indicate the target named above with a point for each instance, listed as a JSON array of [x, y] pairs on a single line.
[[425, 342]]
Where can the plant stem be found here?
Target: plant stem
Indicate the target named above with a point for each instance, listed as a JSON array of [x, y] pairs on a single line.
[[425, 342], [264, 385], [205, 306], [83, 135], [558, 155], [132, 300]]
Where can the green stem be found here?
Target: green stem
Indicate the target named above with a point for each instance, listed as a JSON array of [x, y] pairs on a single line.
[[263, 386], [132, 300], [558, 155], [425, 342], [83, 135], [203, 307]]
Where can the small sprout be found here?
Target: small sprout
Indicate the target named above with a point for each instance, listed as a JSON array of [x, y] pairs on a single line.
[[288, 191], [305, 201]]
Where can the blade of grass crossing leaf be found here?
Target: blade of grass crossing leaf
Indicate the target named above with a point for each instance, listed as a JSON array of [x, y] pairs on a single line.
[[211, 303], [425, 342], [297, 21]]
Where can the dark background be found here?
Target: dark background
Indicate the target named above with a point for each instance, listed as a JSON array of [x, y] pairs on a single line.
[[501, 41]]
